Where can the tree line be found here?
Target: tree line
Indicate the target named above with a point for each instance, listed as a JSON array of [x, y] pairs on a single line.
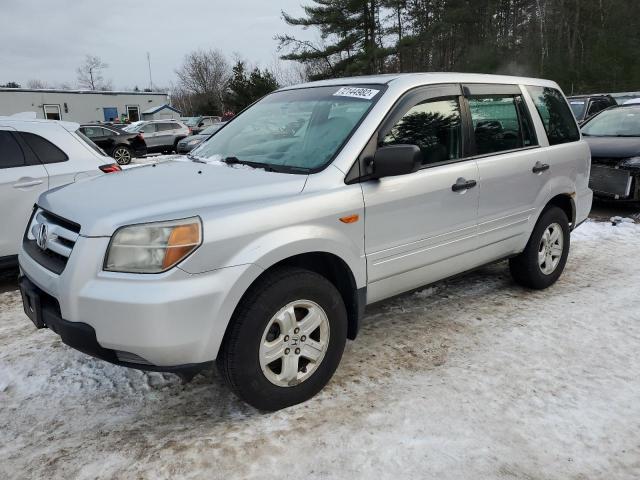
[[584, 45]]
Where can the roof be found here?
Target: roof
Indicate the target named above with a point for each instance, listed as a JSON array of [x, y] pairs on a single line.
[[19, 118], [79, 92], [416, 79], [157, 108]]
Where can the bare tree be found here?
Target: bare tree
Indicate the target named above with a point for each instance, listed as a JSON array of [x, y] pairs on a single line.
[[90, 74], [37, 84], [205, 74]]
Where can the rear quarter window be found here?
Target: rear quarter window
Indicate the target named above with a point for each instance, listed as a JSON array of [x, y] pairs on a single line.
[[12, 155], [556, 116], [46, 151]]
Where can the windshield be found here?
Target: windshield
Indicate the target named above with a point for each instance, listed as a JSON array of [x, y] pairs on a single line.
[[578, 106], [88, 141], [133, 127], [190, 121], [617, 122], [212, 129], [293, 129]]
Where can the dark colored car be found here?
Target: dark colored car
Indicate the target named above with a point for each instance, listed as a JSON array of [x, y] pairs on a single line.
[[187, 144], [117, 143], [586, 106], [614, 138]]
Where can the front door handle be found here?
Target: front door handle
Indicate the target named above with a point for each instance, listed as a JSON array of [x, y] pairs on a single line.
[[27, 182], [540, 167], [462, 184]]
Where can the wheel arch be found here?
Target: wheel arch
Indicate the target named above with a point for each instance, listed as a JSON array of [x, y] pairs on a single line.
[[567, 204], [337, 271]]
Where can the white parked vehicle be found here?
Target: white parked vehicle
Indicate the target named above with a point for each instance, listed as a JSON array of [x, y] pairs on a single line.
[[36, 155], [263, 250]]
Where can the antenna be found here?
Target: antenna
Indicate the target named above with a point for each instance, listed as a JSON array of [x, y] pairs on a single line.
[[149, 63]]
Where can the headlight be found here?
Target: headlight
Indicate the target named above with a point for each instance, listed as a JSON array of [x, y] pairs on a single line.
[[195, 141], [153, 247]]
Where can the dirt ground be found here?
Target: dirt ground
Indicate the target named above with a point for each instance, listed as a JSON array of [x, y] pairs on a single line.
[[474, 378]]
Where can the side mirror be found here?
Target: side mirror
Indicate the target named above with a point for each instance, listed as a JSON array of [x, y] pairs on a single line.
[[394, 160]]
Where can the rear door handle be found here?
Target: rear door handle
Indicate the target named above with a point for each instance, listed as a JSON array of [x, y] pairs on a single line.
[[540, 167], [463, 184], [27, 182]]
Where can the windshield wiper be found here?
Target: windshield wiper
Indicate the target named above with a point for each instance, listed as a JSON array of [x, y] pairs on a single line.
[[269, 167]]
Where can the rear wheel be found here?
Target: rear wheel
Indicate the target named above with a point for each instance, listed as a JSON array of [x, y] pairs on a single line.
[[122, 155], [543, 260], [285, 339]]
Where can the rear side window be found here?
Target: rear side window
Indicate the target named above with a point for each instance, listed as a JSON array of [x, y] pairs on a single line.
[[555, 114], [500, 123], [46, 151], [12, 155]]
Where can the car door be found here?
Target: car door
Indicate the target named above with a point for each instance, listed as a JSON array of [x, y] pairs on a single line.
[[421, 227], [165, 135], [22, 180], [511, 166], [150, 134]]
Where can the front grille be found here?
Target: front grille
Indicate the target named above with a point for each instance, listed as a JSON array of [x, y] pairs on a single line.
[[52, 248], [609, 181], [612, 162]]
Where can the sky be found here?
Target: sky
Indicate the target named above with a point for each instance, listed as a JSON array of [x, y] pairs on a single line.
[[48, 39]]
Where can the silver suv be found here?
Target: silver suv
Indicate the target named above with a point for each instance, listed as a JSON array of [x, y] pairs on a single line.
[[160, 135], [261, 250]]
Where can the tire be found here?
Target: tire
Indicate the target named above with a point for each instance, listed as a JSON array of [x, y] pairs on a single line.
[[535, 269], [122, 155], [260, 326]]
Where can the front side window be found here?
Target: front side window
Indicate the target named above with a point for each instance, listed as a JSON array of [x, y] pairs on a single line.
[[12, 155], [292, 130], [617, 122], [499, 123], [556, 116], [433, 125], [147, 128], [46, 151]]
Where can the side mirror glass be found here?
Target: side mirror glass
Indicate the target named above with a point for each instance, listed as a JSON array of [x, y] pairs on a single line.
[[394, 160]]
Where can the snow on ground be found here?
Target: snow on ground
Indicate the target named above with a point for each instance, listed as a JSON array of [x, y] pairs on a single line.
[[474, 378]]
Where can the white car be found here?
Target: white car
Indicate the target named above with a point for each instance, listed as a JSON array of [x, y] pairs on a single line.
[[262, 248], [35, 156]]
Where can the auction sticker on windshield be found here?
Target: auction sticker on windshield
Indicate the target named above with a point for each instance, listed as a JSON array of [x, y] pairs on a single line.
[[356, 92]]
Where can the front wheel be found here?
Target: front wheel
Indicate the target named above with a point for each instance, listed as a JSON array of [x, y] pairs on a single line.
[[285, 339], [543, 259], [122, 155]]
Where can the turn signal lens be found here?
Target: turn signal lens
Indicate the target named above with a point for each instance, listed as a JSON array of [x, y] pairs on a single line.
[[350, 219], [182, 241]]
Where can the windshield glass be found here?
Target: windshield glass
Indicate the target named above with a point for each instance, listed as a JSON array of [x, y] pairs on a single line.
[[133, 127], [190, 121], [211, 130], [88, 141], [295, 129], [577, 106], [617, 122]]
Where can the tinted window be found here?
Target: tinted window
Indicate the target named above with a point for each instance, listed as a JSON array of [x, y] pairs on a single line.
[[46, 151], [11, 152], [496, 124], [86, 140], [92, 132], [555, 114], [578, 106], [166, 126], [434, 126]]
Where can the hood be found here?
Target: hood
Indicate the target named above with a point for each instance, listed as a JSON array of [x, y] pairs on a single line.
[[613, 147], [163, 191], [194, 137]]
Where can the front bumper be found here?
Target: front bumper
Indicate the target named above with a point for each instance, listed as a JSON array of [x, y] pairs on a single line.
[[44, 311], [167, 320]]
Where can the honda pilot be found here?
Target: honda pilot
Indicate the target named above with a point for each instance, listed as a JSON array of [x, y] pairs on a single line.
[[261, 249]]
